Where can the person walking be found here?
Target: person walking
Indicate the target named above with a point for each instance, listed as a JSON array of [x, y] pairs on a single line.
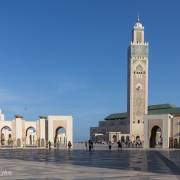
[[86, 145], [69, 145], [119, 145], [110, 145], [49, 145], [58, 144], [90, 146]]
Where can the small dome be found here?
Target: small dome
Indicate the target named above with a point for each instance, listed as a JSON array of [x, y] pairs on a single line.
[[138, 25]]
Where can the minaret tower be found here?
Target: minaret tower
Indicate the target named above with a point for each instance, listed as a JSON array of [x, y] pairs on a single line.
[[137, 81]]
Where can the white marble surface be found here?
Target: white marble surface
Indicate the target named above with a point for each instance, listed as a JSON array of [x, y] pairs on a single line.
[[130, 164], [19, 169]]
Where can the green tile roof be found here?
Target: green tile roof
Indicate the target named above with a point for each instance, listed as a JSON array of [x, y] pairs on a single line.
[[174, 111], [161, 106], [153, 109], [116, 116]]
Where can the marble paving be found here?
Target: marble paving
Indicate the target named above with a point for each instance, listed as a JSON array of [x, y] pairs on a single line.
[[130, 164]]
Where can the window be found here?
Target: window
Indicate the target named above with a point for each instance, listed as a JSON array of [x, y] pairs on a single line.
[[139, 68], [138, 121]]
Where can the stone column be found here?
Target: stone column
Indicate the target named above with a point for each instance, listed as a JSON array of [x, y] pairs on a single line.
[[42, 131], [69, 130], [19, 129]]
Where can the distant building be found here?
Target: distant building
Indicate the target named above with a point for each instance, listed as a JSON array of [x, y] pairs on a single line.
[[21, 133], [156, 125]]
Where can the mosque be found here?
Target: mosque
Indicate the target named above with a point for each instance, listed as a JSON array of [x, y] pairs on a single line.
[[22, 133], [153, 126]]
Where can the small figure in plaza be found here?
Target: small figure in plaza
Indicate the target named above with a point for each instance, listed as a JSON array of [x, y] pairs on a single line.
[[110, 145], [86, 145], [49, 145], [69, 145], [58, 144], [119, 145], [90, 145]]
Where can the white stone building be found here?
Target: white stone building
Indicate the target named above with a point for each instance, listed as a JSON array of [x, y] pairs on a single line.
[[22, 133], [153, 126]]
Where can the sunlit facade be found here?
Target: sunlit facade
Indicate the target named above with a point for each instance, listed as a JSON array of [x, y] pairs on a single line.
[[150, 126], [22, 133]]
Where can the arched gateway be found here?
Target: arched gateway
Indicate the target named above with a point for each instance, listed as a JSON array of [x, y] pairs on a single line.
[[60, 130], [156, 137], [60, 136], [6, 136], [30, 136], [157, 131]]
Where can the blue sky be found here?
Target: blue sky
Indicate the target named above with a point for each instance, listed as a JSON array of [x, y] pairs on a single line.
[[70, 57]]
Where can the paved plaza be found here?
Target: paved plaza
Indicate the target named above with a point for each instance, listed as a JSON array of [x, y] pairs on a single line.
[[81, 164]]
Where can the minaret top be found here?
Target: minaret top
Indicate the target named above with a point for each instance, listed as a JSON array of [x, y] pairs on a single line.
[[138, 32], [138, 24]]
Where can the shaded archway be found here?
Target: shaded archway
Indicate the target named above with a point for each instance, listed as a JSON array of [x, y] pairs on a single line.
[[6, 136], [30, 136], [114, 138], [156, 137], [127, 138], [122, 139], [60, 136]]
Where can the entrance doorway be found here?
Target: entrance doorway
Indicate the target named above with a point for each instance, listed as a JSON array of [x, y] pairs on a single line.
[[156, 137], [6, 136], [60, 137], [30, 136], [114, 138]]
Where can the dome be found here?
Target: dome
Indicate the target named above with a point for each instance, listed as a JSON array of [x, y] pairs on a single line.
[[138, 24]]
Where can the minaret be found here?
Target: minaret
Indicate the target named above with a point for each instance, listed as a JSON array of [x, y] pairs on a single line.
[[137, 81]]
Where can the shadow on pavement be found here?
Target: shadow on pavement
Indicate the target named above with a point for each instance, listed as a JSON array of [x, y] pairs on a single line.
[[166, 162]]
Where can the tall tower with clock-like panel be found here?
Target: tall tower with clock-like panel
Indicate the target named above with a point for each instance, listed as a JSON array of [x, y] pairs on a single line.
[[137, 81]]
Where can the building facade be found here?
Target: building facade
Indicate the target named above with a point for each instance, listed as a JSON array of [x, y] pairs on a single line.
[[22, 133], [152, 126]]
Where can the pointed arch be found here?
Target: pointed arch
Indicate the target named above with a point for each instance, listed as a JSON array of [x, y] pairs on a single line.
[[139, 68]]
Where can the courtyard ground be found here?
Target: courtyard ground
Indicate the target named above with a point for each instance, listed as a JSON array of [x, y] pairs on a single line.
[[81, 164]]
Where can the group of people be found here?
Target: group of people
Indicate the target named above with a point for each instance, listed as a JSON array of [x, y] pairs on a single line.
[[89, 145], [130, 144], [118, 143], [134, 144], [69, 145]]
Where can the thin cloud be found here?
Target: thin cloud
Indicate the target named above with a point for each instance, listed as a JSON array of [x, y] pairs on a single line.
[[7, 96]]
